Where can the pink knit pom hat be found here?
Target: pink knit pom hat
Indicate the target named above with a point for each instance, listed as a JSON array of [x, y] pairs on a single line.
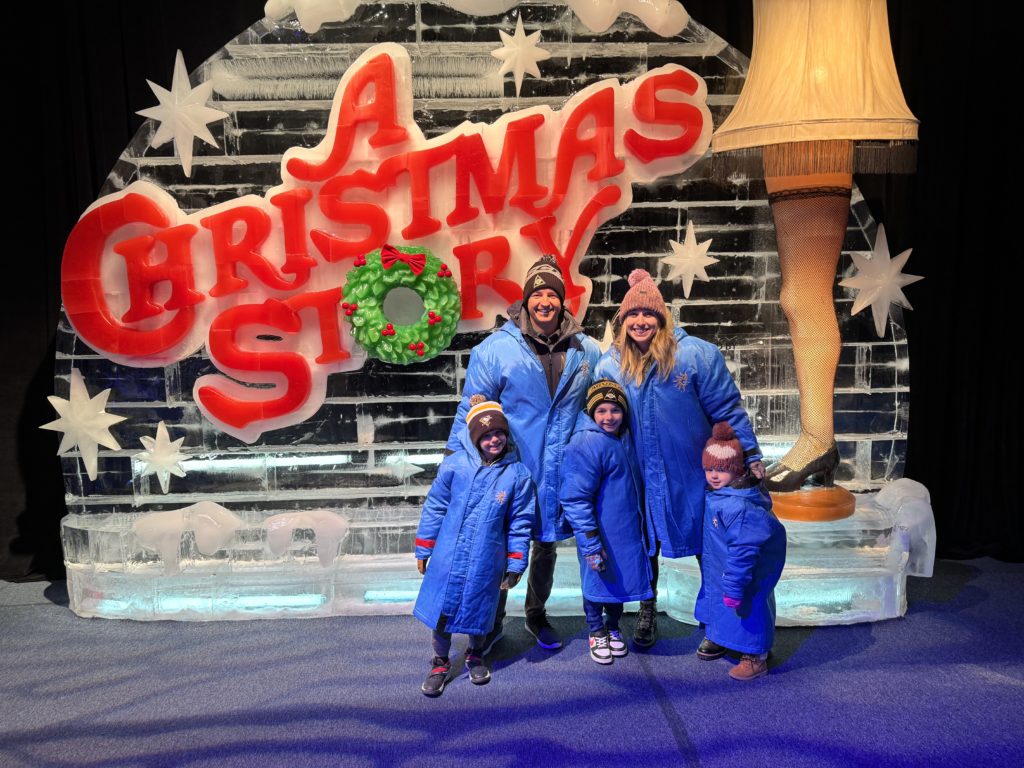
[[643, 294]]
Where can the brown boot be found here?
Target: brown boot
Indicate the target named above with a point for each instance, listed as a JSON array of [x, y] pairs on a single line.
[[751, 666]]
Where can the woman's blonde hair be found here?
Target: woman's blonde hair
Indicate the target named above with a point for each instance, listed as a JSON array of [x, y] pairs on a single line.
[[634, 364]]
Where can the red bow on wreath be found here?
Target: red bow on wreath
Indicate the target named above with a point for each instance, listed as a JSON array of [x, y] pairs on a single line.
[[389, 255]]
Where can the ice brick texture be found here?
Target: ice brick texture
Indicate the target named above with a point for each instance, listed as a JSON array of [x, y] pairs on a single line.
[[372, 450]]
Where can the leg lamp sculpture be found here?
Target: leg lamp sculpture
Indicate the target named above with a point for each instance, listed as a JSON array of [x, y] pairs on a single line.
[[821, 100]]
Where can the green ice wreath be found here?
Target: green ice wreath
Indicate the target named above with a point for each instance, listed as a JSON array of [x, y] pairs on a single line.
[[368, 284]]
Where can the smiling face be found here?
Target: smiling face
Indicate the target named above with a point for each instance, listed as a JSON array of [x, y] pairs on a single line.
[[545, 308], [493, 443], [718, 478], [641, 325], [608, 417]]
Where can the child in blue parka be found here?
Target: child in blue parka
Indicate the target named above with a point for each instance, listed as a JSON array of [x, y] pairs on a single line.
[[601, 497], [475, 532], [744, 553]]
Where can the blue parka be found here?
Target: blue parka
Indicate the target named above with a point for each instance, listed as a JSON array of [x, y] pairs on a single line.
[[744, 553], [670, 421], [503, 367], [475, 525], [602, 492]]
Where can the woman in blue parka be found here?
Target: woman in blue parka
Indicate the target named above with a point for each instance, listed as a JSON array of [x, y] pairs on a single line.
[[474, 528], [744, 554], [677, 386], [603, 502]]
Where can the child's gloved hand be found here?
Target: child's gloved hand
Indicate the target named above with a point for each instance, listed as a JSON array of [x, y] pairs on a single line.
[[421, 566], [731, 602], [597, 560], [510, 580]]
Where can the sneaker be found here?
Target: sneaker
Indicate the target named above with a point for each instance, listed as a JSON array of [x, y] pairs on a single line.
[[438, 677], [546, 635], [709, 651], [646, 628], [492, 638], [751, 667], [616, 644], [599, 649], [479, 674]]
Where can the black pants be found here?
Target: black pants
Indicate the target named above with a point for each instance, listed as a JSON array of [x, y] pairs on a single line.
[[538, 582]]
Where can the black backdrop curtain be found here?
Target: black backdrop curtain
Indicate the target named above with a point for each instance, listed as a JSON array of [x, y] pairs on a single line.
[[79, 77]]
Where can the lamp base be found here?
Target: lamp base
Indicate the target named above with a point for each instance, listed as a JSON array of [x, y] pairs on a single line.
[[816, 505]]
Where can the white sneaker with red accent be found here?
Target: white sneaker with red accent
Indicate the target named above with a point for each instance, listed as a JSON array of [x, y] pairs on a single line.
[[600, 651]]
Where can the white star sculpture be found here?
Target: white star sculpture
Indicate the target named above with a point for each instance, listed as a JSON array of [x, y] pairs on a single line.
[[183, 114], [162, 457], [880, 281], [520, 53], [689, 259], [84, 422]]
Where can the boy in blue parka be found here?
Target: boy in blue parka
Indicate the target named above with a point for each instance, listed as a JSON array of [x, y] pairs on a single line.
[[602, 499], [475, 532], [744, 553]]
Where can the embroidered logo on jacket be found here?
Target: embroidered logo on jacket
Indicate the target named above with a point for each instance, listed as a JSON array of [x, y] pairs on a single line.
[[714, 521], [585, 368], [500, 496], [681, 381]]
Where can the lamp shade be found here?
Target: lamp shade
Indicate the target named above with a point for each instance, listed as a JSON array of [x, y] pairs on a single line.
[[819, 70]]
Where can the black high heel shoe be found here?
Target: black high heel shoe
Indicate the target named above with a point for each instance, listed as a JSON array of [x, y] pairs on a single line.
[[783, 479]]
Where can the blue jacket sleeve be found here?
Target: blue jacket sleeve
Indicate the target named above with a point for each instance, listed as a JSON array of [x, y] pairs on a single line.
[[478, 381], [746, 532], [434, 509], [520, 523], [581, 480], [721, 400]]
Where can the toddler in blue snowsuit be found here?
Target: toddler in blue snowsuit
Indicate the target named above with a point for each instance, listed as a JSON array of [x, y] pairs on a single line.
[[744, 553], [475, 532], [601, 497]]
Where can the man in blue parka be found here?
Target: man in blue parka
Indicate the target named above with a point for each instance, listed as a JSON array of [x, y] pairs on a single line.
[[538, 365]]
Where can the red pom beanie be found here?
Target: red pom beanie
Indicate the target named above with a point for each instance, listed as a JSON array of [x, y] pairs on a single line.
[[643, 294], [723, 451]]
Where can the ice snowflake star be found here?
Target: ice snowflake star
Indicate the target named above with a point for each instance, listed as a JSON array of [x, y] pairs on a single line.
[[689, 260], [84, 422], [880, 281], [183, 114], [162, 456], [520, 53]]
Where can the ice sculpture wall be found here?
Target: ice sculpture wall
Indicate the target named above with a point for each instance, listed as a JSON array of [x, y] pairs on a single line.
[[370, 451]]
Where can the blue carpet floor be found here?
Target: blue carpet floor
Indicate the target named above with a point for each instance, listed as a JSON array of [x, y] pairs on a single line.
[[943, 686]]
